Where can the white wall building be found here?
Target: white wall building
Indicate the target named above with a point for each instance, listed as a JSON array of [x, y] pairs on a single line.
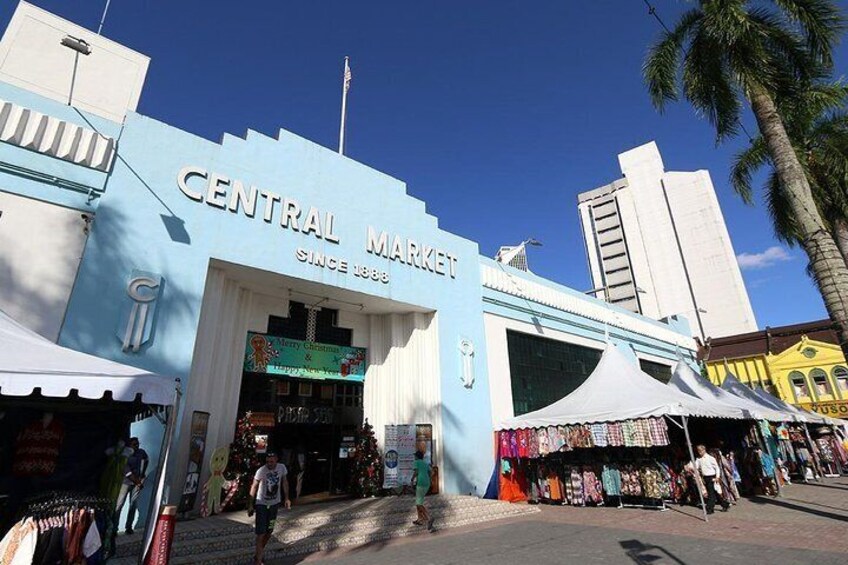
[[657, 244]]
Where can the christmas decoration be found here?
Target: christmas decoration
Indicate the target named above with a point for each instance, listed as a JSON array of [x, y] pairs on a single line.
[[243, 461], [367, 473]]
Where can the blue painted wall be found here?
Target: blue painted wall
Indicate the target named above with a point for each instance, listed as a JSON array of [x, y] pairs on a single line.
[[46, 178], [517, 308], [145, 222]]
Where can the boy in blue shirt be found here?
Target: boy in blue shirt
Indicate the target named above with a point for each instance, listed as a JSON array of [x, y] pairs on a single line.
[[421, 480]]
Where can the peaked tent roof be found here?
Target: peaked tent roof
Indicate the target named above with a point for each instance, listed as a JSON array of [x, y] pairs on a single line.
[[685, 379], [618, 390], [28, 361], [732, 385], [805, 414]]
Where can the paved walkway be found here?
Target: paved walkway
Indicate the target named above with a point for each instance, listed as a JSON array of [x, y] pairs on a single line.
[[809, 524]]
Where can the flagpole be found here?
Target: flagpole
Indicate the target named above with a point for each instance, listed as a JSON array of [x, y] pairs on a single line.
[[345, 87], [103, 18]]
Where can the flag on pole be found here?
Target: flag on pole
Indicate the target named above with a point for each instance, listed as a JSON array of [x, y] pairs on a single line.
[[345, 87], [347, 74]]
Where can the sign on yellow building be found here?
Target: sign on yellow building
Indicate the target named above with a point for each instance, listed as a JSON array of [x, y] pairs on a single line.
[[810, 374]]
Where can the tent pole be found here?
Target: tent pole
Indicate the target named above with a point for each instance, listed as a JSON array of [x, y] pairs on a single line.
[[156, 499], [815, 458], [694, 468]]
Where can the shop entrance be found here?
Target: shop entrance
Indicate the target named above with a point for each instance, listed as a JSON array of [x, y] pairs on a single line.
[[310, 423]]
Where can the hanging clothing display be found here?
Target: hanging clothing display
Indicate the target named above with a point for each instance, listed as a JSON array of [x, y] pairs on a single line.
[[65, 528]]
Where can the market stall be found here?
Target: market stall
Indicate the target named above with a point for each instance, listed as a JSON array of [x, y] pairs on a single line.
[[65, 417], [772, 446], [608, 442]]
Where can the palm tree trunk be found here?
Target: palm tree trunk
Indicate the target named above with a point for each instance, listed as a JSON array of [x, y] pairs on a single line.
[[840, 234], [826, 262]]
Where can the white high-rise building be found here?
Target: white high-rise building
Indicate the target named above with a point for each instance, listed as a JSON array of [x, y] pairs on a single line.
[[516, 256], [657, 244]]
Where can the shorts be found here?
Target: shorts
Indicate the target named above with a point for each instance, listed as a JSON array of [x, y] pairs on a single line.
[[420, 493], [266, 516]]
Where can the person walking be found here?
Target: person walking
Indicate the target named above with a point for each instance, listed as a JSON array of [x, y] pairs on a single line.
[[708, 467], [421, 479], [264, 500], [135, 471]]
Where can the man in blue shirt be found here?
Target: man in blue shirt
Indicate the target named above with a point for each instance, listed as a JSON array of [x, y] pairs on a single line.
[[135, 471]]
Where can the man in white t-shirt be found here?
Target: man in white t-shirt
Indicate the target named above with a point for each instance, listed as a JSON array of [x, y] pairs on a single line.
[[708, 467], [265, 490]]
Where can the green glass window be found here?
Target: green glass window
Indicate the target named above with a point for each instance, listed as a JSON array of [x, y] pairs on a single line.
[[657, 370], [544, 370]]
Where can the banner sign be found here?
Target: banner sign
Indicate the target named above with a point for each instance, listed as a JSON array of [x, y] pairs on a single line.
[[399, 456], [303, 359], [197, 447], [163, 538], [263, 419], [832, 408]]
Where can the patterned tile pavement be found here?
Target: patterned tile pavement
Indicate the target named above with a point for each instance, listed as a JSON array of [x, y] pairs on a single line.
[[808, 524]]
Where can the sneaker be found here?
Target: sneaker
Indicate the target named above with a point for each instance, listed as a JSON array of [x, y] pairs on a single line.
[[417, 522], [430, 527], [129, 531]]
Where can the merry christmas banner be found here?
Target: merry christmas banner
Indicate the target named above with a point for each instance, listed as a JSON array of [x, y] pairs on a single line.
[[303, 359]]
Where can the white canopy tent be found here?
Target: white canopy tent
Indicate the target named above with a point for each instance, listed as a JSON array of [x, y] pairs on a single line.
[[618, 390], [686, 380], [805, 414], [30, 363], [732, 385]]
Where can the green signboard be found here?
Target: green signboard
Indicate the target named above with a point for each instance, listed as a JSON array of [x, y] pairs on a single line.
[[303, 359]]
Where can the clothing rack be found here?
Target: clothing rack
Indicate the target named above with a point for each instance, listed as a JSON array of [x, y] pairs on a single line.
[[57, 502], [662, 507]]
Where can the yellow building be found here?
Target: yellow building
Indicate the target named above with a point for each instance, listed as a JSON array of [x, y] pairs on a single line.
[[801, 364]]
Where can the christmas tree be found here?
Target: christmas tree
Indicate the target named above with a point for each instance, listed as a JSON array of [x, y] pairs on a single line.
[[243, 459], [367, 473]]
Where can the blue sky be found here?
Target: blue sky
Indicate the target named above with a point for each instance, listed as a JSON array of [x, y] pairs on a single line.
[[496, 113]]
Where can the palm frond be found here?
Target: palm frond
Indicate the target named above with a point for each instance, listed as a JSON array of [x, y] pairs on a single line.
[[661, 64], [745, 164], [708, 86], [820, 21], [780, 210]]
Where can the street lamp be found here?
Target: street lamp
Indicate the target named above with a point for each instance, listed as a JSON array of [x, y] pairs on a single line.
[[79, 47]]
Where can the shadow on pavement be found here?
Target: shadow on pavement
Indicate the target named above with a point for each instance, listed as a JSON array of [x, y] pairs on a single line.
[[648, 554], [838, 486], [799, 508]]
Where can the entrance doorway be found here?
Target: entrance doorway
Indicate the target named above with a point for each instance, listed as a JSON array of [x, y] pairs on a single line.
[[310, 423]]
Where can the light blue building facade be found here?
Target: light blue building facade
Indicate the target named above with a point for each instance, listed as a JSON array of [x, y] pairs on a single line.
[[220, 237]]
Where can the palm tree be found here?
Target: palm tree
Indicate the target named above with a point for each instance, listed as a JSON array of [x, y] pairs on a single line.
[[818, 128], [727, 52]]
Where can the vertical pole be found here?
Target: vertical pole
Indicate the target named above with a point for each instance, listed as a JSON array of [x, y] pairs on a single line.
[[694, 468], [103, 18], [161, 477], [73, 78], [345, 87]]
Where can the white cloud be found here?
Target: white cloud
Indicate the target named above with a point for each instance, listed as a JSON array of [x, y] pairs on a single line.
[[767, 258]]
